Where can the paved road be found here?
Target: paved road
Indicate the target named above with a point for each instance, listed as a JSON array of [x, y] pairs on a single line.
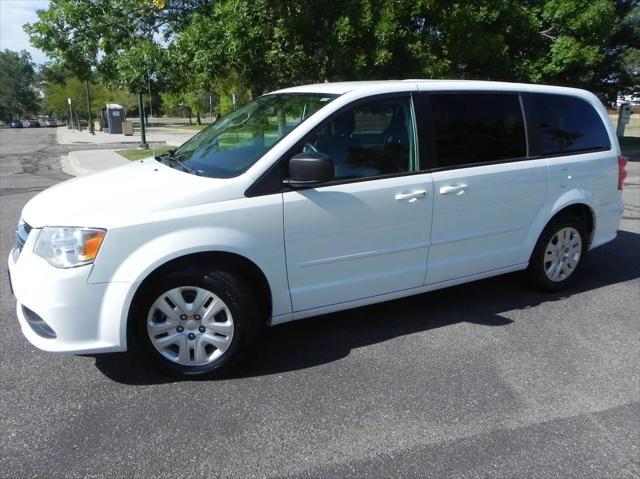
[[482, 380]]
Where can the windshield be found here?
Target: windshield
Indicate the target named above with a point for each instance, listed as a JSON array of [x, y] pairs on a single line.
[[235, 142]]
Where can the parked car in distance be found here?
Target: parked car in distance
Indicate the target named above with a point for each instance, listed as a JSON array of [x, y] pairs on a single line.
[[34, 124], [15, 124], [316, 199], [26, 123]]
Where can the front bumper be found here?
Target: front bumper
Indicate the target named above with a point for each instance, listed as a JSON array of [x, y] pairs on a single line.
[[83, 317]]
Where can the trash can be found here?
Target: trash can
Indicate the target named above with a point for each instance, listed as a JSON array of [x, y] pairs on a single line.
[[127, 128], [112, 117]]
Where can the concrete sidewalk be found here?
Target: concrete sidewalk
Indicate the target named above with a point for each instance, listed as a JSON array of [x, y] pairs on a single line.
[[64, 136], [80, 163], [85, 162]]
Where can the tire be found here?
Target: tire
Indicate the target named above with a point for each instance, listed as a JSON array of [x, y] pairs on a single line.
[[196, 323], [559, 254]]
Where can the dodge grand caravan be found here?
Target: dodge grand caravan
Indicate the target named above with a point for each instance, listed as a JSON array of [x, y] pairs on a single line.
[[316, 199]]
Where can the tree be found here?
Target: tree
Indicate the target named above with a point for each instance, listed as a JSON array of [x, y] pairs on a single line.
[[136, 66], [105, 34], [266, 44], [587, 43], [269, 43], [57, 91], [197, 101], [18, 96], [64, 31], [172, 103]]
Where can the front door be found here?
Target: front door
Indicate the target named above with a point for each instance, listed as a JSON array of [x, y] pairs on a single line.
[[366, 233]]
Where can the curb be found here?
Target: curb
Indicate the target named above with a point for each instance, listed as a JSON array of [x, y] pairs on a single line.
[[75, 165]]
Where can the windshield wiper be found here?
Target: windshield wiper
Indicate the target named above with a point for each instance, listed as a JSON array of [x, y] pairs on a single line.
[[170, 156]]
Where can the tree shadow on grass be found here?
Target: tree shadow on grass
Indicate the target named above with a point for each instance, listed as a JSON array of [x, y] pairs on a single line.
[[324, 339]]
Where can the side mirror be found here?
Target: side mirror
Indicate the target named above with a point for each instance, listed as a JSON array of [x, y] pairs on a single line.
[[309, 168]]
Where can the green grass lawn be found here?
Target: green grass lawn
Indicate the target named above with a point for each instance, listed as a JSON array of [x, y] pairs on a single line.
[[136, 154]]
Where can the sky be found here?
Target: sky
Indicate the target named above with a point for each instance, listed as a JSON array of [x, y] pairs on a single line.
[[14, 14]]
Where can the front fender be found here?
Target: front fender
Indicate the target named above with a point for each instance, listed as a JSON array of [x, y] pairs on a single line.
[[175, 244], [154, 253], [249, 227], [549, 210]]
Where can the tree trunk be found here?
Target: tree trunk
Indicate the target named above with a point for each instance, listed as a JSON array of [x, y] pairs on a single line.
[[256, 90], [143, 135], [198, 120]]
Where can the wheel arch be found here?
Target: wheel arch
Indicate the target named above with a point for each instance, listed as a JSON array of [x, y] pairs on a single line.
[[231, 262], [578, 203], [579, 210]]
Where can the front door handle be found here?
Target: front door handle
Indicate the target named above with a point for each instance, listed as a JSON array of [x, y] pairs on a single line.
[[453, 189], [414, 195]]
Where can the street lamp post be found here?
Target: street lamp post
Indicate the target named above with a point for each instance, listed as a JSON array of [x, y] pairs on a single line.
[[89, 109], [143, 136], [70, 114]]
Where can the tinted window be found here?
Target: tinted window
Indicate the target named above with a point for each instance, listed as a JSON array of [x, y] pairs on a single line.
[[568, 124], [477, 128], [370, 139]]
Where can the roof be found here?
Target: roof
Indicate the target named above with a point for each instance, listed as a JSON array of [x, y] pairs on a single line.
[[339, 88], [336, 88]]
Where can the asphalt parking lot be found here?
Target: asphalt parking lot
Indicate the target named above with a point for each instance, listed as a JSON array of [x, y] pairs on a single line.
[[489, 379]]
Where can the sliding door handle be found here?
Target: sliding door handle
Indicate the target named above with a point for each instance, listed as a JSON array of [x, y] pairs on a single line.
[[453, 189]]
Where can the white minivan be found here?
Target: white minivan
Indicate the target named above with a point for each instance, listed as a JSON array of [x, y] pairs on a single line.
[[316, 199]]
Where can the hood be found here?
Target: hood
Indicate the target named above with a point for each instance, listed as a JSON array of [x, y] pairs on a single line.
[[115, 196]]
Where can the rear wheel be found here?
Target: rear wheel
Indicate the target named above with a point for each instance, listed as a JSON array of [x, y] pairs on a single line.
[[559, 253], [196, 323]]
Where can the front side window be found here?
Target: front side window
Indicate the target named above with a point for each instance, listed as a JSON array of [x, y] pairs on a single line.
[[473, 128], [370, 139], [235, 142], [568, 124]]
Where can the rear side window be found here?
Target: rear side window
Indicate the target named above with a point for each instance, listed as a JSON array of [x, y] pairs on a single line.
[[568, 124], [477, 128]]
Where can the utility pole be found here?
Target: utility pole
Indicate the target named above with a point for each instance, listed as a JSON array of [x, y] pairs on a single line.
[[143, 137], [89, 109]]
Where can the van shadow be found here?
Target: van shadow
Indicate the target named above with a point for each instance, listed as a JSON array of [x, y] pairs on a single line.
[[324, 339]]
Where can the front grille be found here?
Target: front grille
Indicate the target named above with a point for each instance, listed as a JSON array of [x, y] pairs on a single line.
[[22, 233]]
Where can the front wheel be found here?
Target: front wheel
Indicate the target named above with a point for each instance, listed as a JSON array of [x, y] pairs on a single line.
[[558, 254], [196, 323]]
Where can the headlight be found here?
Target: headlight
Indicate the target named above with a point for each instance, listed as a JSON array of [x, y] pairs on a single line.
[[69, 247]]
